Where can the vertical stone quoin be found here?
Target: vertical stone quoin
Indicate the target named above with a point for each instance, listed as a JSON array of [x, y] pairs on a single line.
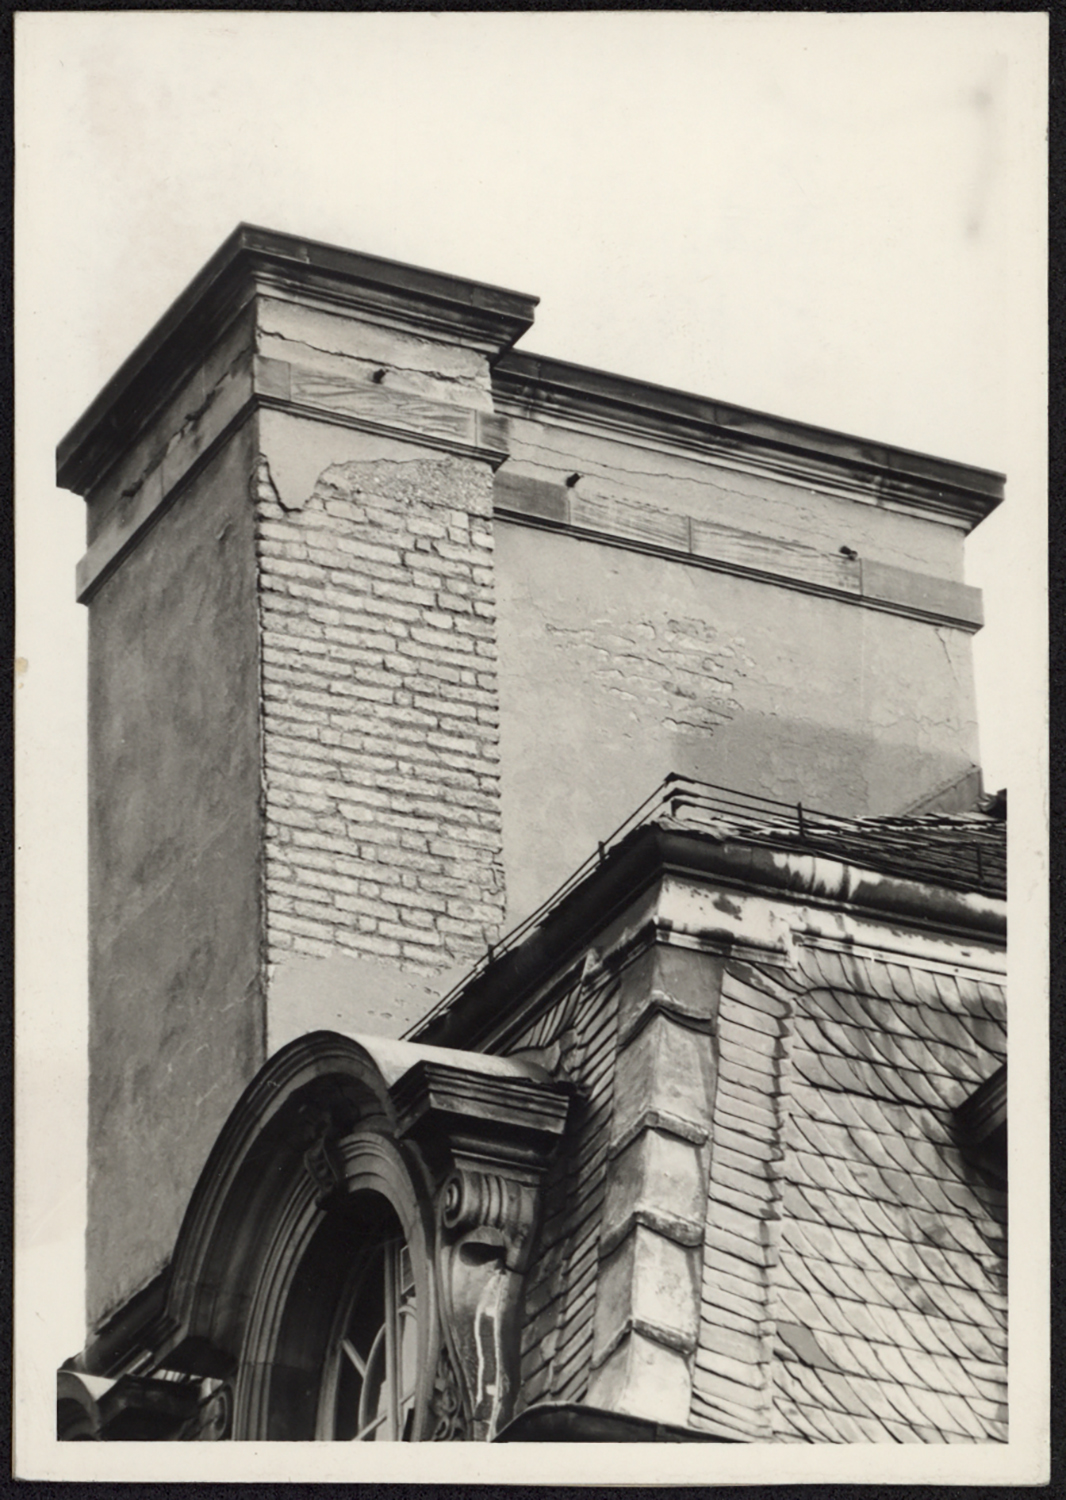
[[380, 712], [647, 1318]]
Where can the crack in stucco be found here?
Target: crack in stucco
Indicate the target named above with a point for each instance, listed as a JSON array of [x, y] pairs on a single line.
[[427, 372], [942, 637]]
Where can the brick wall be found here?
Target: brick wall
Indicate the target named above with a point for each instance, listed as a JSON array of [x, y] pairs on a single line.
[[380, 714]]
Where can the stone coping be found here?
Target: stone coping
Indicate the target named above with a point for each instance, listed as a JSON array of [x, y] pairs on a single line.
[[251, 259], [553, 391]]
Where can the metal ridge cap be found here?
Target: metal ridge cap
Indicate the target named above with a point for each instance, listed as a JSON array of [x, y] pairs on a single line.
[[520, 366], [250, 248]]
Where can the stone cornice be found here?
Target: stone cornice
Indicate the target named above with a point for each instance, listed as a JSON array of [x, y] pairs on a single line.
[[257, 384], [254, 261], [553, 391]]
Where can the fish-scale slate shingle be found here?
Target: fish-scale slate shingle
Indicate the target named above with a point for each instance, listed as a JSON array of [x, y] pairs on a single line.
[[579, 1029], [850, 1243]]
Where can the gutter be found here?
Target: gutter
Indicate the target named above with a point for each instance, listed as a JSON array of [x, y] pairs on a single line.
[[656, 850], [571, 1422]]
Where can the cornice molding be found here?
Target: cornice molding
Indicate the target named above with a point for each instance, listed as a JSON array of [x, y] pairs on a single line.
[[257, 384], [727, 549], [567, 395], [255, 261]]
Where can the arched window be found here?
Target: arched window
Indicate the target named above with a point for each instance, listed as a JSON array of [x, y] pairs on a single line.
[[343, 1334], [350, 1266], [370, 1374]]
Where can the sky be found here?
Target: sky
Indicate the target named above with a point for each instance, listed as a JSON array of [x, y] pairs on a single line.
[[838, 219]]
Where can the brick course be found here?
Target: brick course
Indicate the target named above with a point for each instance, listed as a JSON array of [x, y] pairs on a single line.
[[380, 714]]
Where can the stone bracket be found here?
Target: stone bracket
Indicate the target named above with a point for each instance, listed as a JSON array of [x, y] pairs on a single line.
[[487, 1141], [501, 1124]]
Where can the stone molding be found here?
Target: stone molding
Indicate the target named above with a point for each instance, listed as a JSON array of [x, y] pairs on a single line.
[[286, 385], [551, 390], [257, 384], [725, 549], [252, 261]]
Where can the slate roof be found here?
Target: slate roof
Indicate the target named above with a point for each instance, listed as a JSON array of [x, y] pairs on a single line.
[[964, 851], [576, 1037], [960, 851], [855, 1262]]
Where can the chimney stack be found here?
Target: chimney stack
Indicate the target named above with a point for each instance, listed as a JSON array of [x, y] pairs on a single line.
[[293, 688]]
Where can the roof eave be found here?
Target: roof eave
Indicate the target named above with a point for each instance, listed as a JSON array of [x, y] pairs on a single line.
[[654, 851]]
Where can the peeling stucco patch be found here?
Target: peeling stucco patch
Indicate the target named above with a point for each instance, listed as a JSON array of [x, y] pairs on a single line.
[[686, 669]]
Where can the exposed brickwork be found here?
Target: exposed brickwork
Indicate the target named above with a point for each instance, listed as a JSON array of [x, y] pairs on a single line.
[[678, 672], [380, 714], [855, 1273]]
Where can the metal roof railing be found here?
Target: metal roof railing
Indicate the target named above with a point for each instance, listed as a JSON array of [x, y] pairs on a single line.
[[961, 851]]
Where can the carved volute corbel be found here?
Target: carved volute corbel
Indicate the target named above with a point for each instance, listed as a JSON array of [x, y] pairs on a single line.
[[492, 1210], [487, 1141], [484, 1225]]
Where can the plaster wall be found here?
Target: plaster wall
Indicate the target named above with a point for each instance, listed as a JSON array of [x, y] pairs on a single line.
[[176, 1026], [617, 667], [670, 480]]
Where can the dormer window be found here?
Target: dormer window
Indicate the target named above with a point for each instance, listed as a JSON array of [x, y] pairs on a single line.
[[371, 1377], [981, 1125]]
